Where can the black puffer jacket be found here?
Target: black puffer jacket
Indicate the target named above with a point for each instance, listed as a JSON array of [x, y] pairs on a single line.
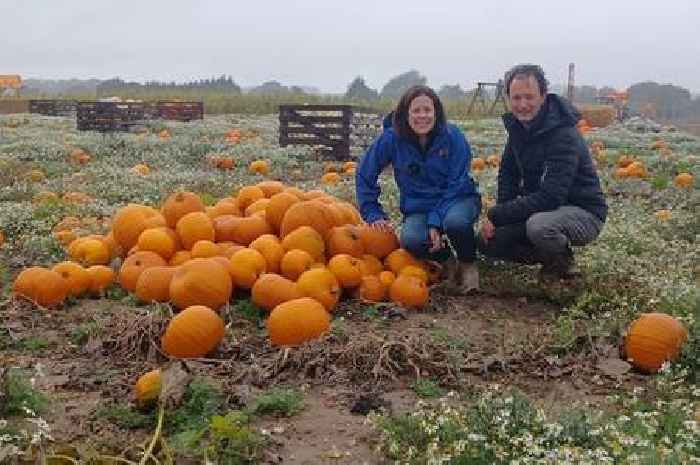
[[545, 166]]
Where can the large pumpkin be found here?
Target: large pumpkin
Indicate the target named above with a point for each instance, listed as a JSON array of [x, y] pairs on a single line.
[[378, 242], [653, 339], [201, 281], [313, 213], [43, 286], [297, 321], [307, 239], [271, 289], [409, 292], [193, 332], [277, 207], [248, 265], [77, 277], [294, 263], [130, 221], [153, 285], [271, 248], [345, 239], [193, 227]]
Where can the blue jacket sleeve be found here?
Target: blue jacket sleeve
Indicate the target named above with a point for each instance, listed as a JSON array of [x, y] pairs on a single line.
[[460, 161], [367, 190]]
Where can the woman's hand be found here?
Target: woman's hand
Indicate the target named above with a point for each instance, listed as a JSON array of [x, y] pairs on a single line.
[[487, 230], [382, 225], [435, 239]]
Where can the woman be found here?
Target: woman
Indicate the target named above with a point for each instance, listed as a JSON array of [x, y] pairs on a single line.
[[431, 160]]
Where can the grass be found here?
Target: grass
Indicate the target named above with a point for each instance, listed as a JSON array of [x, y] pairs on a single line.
[[125, 417], [427, 388], [19, 397], [284, 402]]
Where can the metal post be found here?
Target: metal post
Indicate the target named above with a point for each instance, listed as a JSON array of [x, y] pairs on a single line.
[[570, 88]]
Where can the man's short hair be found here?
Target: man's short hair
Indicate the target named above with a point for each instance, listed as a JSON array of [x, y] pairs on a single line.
[[523, 71]]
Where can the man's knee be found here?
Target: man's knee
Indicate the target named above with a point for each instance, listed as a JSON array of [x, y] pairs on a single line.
[[543, 232]]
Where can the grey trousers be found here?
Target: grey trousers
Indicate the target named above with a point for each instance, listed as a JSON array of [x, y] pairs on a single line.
[[543, 236]]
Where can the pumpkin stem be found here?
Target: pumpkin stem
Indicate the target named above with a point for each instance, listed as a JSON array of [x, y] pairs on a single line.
[[149, 451]]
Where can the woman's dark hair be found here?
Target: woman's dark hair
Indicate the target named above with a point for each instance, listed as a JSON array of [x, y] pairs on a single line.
[[400, 118]]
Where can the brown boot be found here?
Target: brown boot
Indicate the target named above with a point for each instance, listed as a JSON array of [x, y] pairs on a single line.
[[450, 276], [559, 267], [468, 277]]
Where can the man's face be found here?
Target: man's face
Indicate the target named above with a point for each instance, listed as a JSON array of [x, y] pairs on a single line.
[[421, 115], [525, 98]]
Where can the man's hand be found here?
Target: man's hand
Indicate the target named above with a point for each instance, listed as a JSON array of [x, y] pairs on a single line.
[[382, 225], [435, 239], [487, 230]]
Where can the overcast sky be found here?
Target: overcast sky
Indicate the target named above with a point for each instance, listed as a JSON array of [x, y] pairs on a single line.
[[325, 43]]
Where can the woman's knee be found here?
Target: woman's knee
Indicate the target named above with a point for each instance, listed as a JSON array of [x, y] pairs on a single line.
[[415, 241]]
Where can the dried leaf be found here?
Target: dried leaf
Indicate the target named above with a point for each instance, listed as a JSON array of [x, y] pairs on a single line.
[[175, 378], [614, 367]]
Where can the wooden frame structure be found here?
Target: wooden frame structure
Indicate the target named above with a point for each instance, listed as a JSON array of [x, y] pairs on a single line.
[[53, 107], [329, 126], [480, 102], [109, 116]]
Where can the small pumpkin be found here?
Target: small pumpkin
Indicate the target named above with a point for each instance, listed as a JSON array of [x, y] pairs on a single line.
[[277, 207], [398, 259], [322, 285], [294, 322], [478, 164], [409, 292], [248, 265], [147, 388], [271, 248], [192, 333], [77, 277], [101, 277], [345, 240], [415, 271], [294, 263], [205, 249], [683, 180], [330, 178], [193, 227], [271, 289], [346, 269], [271, 188], [135, 264], [163, 241], [130, 221], [247, 195], [652, 339], [372, 289], [259, 167], [308, 239]]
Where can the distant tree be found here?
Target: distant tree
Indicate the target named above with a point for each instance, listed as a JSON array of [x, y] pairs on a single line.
[[585, 94], [270, 88], [401, 83], [668, 102], [454, 92], [358, 90]]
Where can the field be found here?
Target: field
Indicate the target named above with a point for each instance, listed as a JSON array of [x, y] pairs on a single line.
[[522, 372]]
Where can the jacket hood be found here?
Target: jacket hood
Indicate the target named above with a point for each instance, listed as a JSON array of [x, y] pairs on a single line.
[[556, 112]]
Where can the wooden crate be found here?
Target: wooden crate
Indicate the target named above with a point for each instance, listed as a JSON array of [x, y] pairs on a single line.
[[180, 111], [109, 116], [328, 126], [53, 107]]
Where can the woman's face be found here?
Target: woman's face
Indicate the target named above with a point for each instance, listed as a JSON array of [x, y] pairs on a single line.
[[421, 115]]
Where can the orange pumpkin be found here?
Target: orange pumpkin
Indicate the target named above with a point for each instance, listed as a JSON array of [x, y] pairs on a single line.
[[259, 167], [409, 292], [135, 264], [415, 271], [683, 180], [153, 285], [322, 285], [129, 222], [346, 269], [193, 227], [77, 278], [294, 322], [372, 289], [192, 333], [248, 229], [345, 239], [387, 278], [163, 241], [101, 277], [147, 388], [277, 207], [249, 194], [40, 285], [308, 239], [652, 339], [294, 263], [313, 213], [89, 251], [201, 281], [205, 249], [330, 178], [271, 289], [271, 188], [271, 248], [180, 257], [179, 204], [378, 242], [257, 206], [370, 265], [478, 164], [248, 265], [398, 259]]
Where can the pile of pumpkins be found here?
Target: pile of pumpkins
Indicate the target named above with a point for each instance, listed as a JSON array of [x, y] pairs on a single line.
[[479, 164], [296, 252]]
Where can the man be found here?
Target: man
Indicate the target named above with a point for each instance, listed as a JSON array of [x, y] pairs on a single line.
[[549, 196]]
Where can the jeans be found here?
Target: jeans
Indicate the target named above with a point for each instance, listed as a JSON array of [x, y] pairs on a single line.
[[458, 225], [544, 235]]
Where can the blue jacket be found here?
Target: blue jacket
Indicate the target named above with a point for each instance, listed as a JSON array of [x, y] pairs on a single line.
[[428, 182]]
